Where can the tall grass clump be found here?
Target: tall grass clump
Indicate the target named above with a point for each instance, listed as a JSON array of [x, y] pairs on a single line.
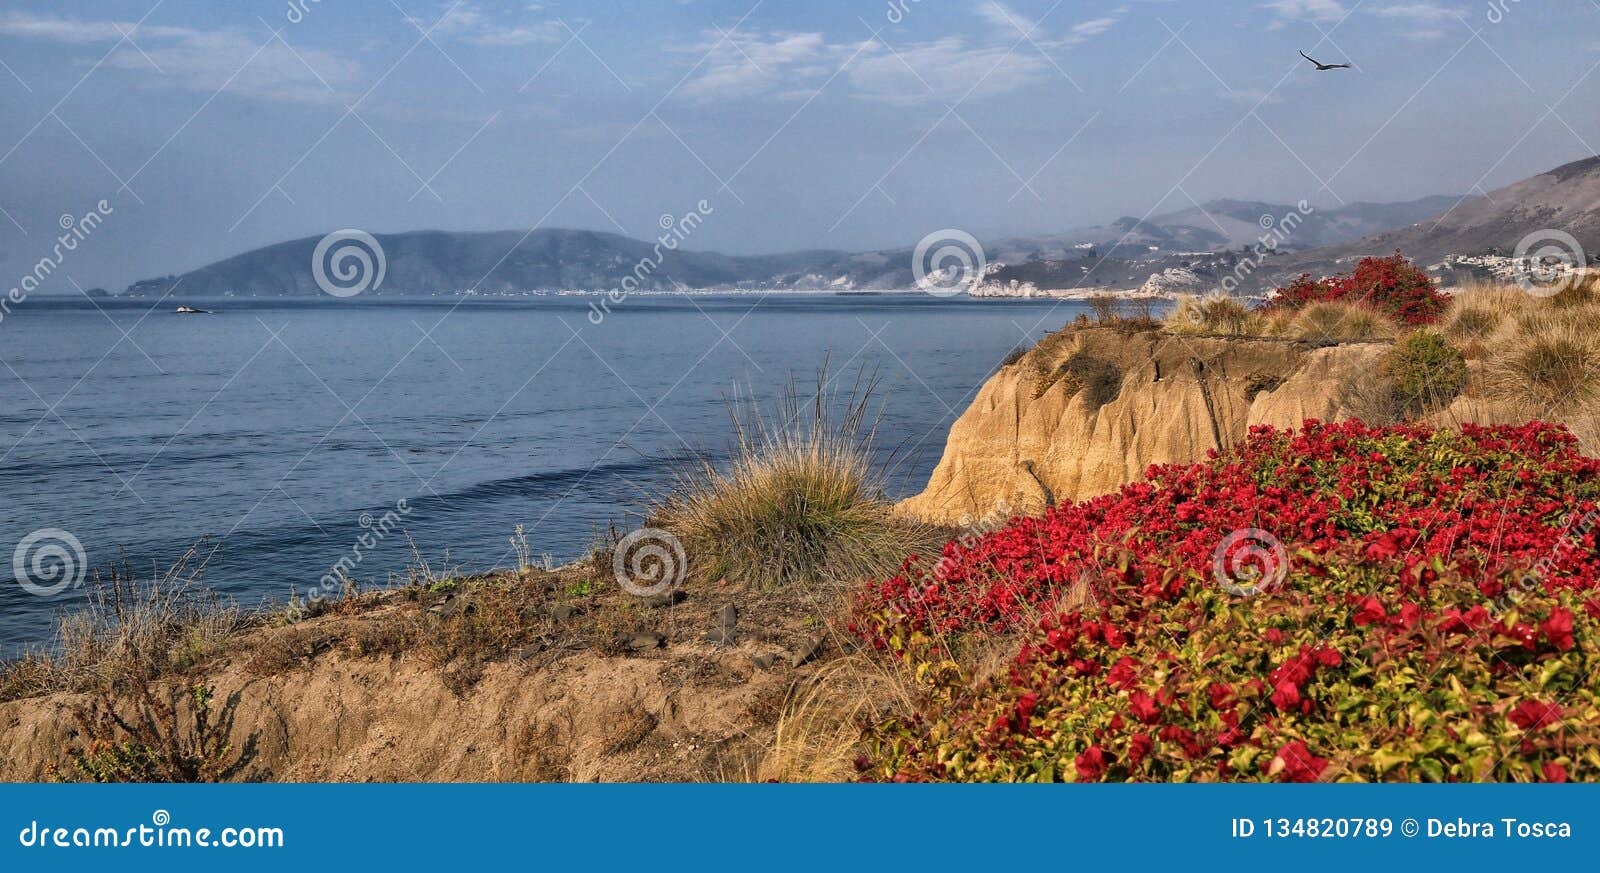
[[1213, 314], [1338, 322], [1579, 291], [800, 502], [1551, 361], [129, 632], [1477, 312]]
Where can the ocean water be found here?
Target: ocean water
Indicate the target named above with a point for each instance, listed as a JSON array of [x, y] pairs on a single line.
[[279, 433]]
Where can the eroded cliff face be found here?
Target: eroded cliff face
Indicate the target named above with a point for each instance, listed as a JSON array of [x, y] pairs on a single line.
[[1088, 409]]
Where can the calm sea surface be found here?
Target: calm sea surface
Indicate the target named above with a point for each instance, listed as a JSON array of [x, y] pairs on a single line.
[[275, 429]]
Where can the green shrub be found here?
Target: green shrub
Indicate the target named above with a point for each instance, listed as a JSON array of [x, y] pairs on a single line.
[[1424, 372]]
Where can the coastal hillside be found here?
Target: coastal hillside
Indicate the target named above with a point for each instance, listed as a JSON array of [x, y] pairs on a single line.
[[1475, 238], [1459, 240], [548, 259], [552, 259], [1218, 225]]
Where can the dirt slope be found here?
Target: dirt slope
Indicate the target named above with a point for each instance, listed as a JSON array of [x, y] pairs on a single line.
[[586, 706]]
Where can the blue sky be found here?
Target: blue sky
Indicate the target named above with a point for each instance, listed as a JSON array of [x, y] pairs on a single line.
[[214, 128]]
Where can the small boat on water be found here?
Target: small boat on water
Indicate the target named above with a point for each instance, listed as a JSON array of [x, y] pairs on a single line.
[[190, 310]]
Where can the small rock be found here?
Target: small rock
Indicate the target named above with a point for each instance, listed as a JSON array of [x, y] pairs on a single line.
[[645, 642], [454, 605], [721, 635], [565, 612], [764, 661], [728, 616], [807, 652], [666, 598]]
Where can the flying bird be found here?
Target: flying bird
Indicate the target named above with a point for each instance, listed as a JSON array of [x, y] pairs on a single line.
[[1322, 66]]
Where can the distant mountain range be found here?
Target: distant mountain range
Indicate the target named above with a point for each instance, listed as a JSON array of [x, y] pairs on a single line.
[[1191, 246], [1219, 225], [1478, 235], [434, 261]]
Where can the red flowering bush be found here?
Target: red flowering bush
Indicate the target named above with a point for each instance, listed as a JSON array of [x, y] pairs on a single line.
[[1391, 285], [1430, 615]]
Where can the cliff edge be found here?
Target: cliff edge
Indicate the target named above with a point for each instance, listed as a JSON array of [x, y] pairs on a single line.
[[1089, 408]]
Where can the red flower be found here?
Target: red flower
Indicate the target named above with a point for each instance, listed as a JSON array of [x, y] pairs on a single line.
[[1143, 707], [1558, 628], [1286, 696], [1371, 612], [1295, 763], [1138, 747], [1123, 673], [1091, 764], [1532, 714], [1554, 772], [1221, 695]]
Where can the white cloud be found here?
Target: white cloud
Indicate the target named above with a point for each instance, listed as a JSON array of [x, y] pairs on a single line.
[[200, 60], [750, 65], [1316, 10], [470, 24], [1421, 19], [944, 70], [1010, 24], [51, 29], [1093, 27], [1417, 12], [789, 65]]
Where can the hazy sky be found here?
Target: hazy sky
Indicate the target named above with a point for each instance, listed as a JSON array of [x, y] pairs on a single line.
[[213, 128]]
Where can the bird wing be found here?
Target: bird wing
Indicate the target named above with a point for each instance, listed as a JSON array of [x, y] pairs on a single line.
[[1310, 58]]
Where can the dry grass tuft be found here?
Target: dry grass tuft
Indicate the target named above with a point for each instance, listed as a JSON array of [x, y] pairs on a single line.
[[1478, 312], [1338, 322], [1551, 360], [1212, 315], [129, 633], [818, 734], [1581, 291], [801, 502]]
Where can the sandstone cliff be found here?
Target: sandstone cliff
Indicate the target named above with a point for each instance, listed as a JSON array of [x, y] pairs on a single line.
[[1088, 409]]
